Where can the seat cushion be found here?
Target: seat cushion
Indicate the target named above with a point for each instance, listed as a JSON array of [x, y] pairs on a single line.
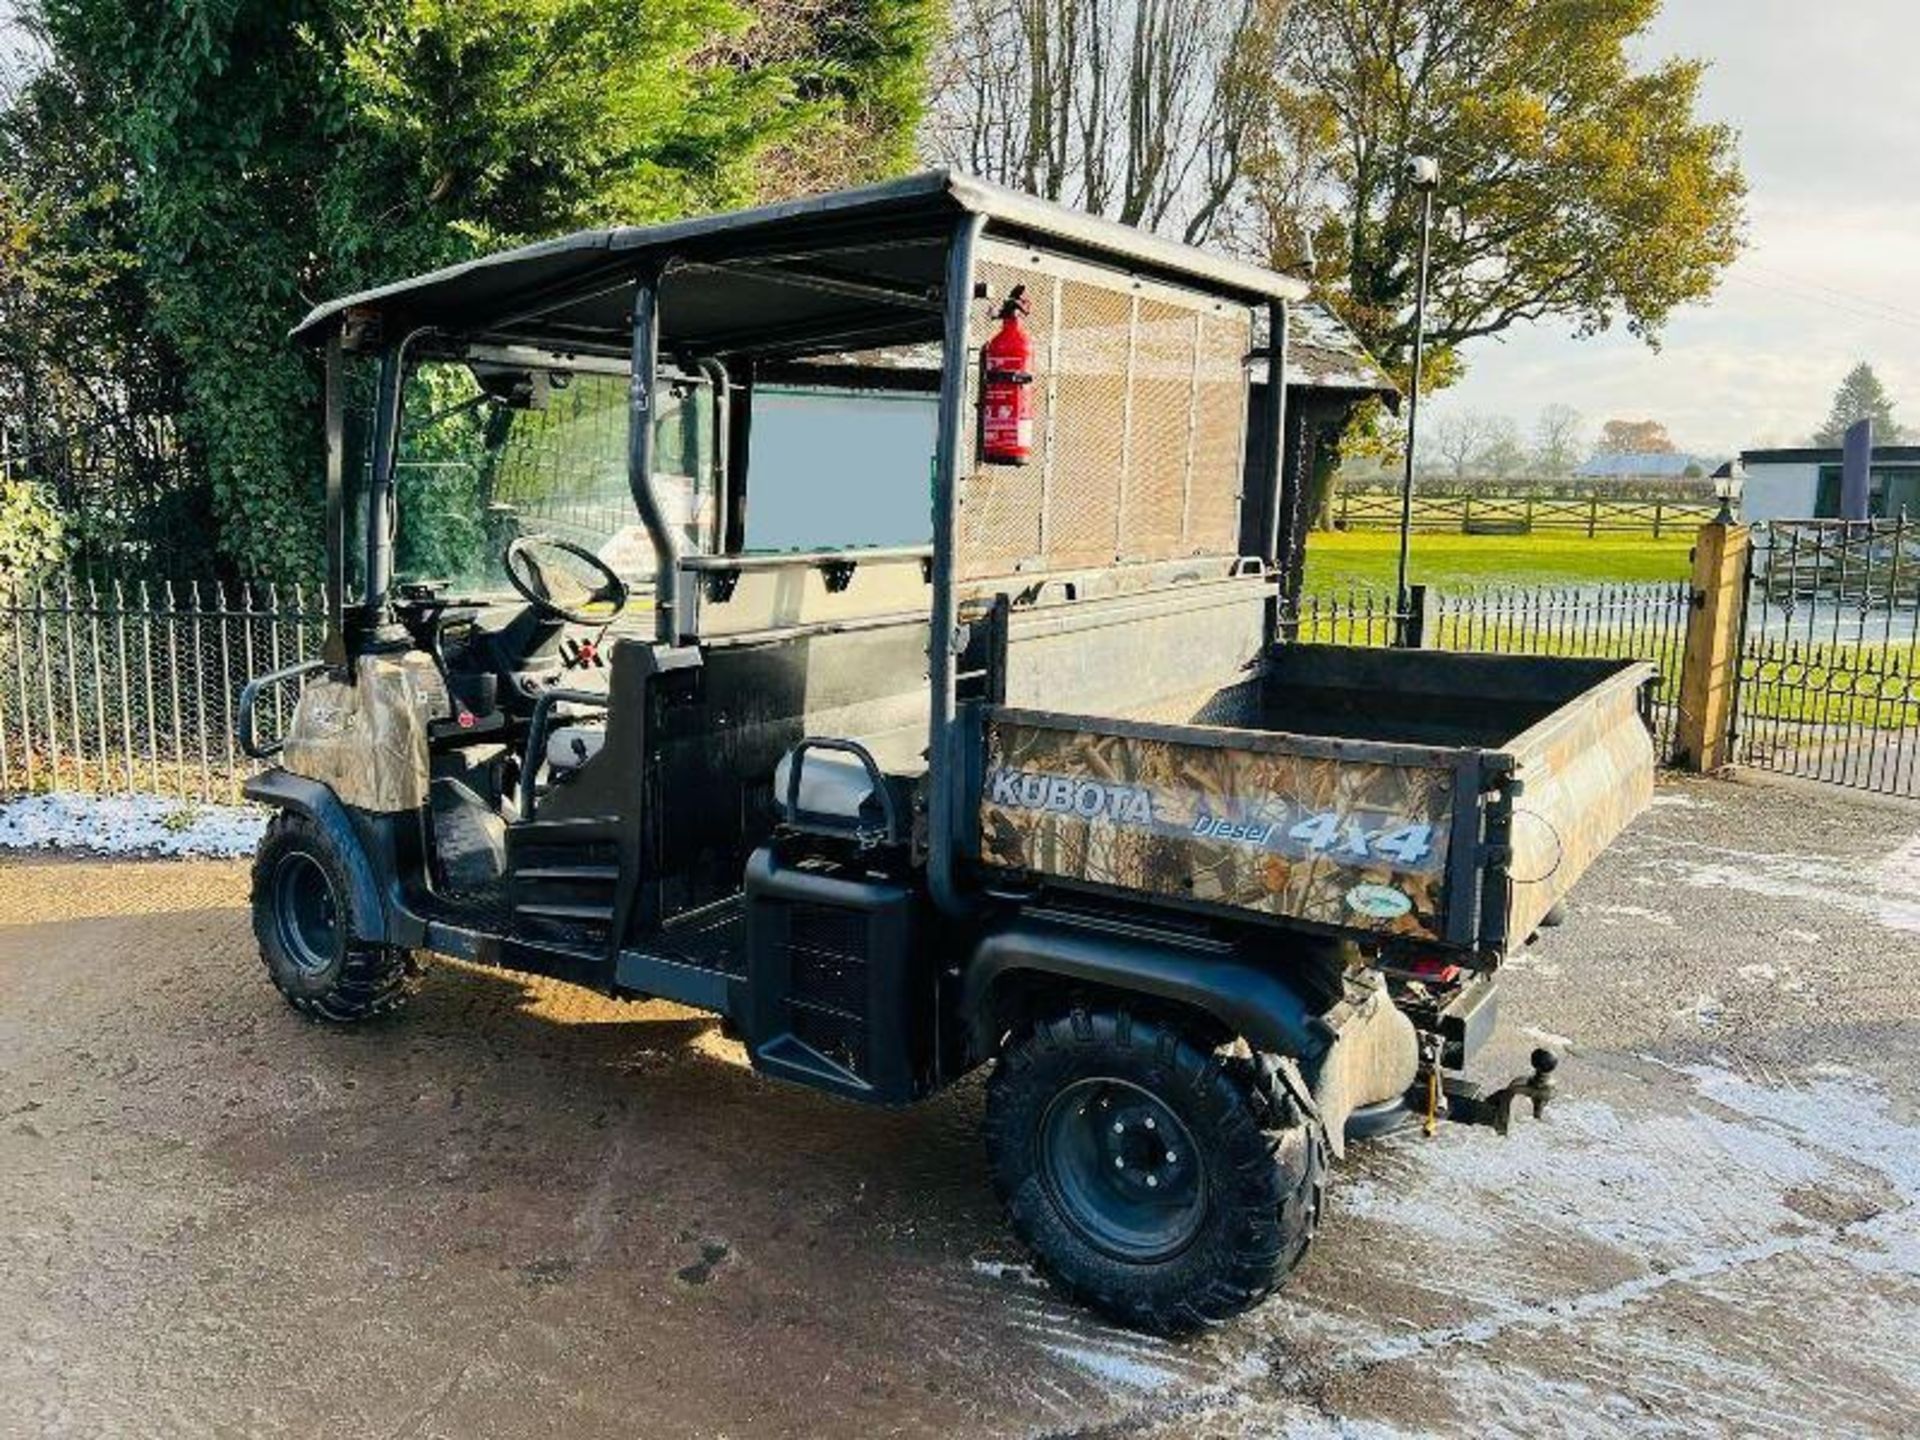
[[833, 785], [571, 746]]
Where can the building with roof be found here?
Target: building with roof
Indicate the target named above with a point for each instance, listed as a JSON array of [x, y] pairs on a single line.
[[1804, 483], [1647, 465]]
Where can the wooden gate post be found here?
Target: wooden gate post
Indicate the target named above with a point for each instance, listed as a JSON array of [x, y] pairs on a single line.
[[1710, 671]]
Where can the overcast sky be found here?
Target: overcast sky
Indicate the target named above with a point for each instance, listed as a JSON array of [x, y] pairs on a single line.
[[1827, 99]]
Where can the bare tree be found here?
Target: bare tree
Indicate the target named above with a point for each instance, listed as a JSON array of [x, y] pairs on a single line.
[[1143, 110], [1501, 455], [1556, 439], [1458, 437]]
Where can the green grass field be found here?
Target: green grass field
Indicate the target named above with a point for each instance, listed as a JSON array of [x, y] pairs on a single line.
[[1338, 561]]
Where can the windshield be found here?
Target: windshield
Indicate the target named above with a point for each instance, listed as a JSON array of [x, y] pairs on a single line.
[[474, 472]]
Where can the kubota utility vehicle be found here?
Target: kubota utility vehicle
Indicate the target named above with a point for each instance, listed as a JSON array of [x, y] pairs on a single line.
[[1058, 789]]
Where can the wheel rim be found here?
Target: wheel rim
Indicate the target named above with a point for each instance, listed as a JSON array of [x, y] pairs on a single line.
[[1123, 1169], [305, 913]]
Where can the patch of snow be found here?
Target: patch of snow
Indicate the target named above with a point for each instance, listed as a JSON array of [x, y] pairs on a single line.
[[1845, 1117], [1007, 1270], [1114, 1366], [129, 825], [1757, 973], [1886, 897], [1738, 1189], [1639, 912], [1681, 802], [1900, 875]]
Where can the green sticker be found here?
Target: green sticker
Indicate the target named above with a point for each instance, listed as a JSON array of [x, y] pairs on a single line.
[[1379, 902]]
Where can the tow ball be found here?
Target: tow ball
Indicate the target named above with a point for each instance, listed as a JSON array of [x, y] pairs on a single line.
[[1468, 1104]]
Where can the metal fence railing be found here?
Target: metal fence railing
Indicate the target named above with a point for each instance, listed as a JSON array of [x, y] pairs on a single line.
[[1611, 622], [1830, 653], [135, 687]]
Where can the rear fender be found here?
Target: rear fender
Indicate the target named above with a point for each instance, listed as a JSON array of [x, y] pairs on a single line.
[[1360, 1051], [1250, 1000]]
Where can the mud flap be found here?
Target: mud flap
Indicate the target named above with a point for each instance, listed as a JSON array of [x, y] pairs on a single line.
[[1376, 1058]]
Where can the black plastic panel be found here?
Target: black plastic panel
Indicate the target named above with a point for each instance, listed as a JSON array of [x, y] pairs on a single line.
[[840, 995]]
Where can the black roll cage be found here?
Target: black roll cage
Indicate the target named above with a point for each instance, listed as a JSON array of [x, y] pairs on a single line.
[[609, 306]]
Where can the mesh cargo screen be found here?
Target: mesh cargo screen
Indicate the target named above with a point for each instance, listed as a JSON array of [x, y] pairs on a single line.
[[1139, 424]]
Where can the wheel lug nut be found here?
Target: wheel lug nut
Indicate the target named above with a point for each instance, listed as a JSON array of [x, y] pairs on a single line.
[[1149, 1122], [1119, 1163], [1172, 1159], [1118, 1128], [1153, 1181]]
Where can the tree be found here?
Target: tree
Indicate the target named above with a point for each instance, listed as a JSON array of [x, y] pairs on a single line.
[[1634, 437], [1556, 440], [1459, 436], [1144, 110], [1576, 185], [86, 387], [1501, 455], [282, 151], [30, 535], [1861, 396]]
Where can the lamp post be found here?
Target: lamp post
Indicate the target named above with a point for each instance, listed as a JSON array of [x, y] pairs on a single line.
[[1727, 486], [1423, 172]]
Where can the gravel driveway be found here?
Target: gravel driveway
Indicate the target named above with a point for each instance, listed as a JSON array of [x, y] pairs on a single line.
[[523, 1210]]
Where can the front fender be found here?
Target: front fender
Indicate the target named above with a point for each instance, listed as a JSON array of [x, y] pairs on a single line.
[[366, 851], [1251, 1000]]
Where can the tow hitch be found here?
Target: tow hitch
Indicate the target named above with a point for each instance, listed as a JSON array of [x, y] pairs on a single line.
[[1468, 1104]]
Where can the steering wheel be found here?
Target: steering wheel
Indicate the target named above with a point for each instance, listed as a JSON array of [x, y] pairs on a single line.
[[564, 581]]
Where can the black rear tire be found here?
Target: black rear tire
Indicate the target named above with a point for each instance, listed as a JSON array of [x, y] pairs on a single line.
[[305, 917], [1154, 1180]]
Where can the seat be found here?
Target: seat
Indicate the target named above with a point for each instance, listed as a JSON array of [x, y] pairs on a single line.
[[834, 786], [571, 746]]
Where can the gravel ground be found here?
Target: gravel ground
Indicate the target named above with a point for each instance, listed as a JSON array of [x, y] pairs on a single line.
[[524, 1210]]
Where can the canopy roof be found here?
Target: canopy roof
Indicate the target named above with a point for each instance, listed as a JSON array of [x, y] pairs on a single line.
[[861, 266]]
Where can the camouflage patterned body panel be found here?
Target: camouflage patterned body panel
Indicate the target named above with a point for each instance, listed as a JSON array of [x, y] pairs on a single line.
[[1586, 771], [367, 741], [1284, 825]]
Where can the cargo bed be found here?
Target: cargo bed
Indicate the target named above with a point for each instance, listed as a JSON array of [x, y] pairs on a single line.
[[1414, 798]]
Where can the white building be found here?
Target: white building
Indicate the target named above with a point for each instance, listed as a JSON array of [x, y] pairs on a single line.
[[1804, 484]]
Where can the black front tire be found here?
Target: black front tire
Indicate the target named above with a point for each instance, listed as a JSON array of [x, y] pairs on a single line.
[[1239, 1176], [305, 918]]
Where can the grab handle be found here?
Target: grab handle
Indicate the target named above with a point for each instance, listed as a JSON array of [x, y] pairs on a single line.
[[796, 762], [250, 699]]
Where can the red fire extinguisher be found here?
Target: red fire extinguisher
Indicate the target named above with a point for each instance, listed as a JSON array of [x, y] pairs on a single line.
[[1006, 402]]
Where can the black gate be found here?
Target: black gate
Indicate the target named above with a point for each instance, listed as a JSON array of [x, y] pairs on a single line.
[[1830, 653]]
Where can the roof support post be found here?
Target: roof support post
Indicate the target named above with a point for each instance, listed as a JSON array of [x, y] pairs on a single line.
[[1273, 463], [667, 545], [386, 452], [335, 649], [944, 764]]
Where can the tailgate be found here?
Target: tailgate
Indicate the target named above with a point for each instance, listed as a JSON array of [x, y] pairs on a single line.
[[1359, 835], [1585, 772]]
